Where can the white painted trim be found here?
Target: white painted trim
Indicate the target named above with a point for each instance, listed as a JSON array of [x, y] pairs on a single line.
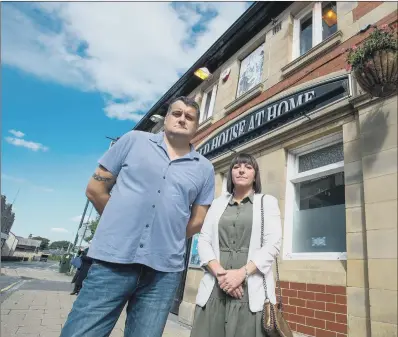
[[208, 94], [202, 108], [293, 177], [296, 29], [318, 144], [212, 101], [317, 36], [317, 24], [318, 172]]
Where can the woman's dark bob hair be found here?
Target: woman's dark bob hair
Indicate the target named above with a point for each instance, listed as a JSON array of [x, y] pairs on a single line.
[[244, 158]]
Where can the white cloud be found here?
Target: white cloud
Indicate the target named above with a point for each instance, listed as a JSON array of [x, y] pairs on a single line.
[[27, 144], [59, 230], [16, 133], [130, 52]]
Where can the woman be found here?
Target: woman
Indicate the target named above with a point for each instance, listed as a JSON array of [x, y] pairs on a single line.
[[231, 294]]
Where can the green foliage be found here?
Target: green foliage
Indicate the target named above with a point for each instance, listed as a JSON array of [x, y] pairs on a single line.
[[54, 257], [92, 227], [383, 38], [59, 245], [44, 242]]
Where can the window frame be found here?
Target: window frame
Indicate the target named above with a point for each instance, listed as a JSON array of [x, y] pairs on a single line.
[[293, 177], [212, 93], [315, 8]]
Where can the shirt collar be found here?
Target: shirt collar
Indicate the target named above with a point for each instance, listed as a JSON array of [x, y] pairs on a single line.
[[250, 198], [158, 138]]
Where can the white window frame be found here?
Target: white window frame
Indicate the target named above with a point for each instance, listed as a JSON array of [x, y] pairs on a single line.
[[211, 94], [315, 8], [293, 178]]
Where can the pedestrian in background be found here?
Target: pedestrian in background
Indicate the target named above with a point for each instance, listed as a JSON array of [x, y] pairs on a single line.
[[231, 295], [161, 191], [76, 262], [84, 268]]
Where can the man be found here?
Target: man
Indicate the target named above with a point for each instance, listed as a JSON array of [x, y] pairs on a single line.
[[162, 189], [77, 263]]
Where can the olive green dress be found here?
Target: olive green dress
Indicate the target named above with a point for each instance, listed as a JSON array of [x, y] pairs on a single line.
[[223, 315]]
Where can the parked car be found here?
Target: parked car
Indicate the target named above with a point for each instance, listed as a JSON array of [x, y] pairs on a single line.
[[43, 257]]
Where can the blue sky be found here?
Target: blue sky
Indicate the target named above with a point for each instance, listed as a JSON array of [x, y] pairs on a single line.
[[73, 73]]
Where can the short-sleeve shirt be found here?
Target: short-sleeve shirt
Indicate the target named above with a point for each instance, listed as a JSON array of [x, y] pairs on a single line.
[[146, 217]]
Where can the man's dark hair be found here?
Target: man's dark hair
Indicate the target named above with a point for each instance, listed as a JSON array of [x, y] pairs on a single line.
[[187, 101], [244, 158]]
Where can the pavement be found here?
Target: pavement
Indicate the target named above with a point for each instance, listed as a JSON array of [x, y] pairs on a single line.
[[35, 302]]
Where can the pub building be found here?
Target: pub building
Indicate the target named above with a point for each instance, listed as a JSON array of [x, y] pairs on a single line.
[[279, 90]]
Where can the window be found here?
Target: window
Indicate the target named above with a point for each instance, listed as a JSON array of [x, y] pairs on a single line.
[[251, 71], [315, 226], [313, 25], [208, 102]]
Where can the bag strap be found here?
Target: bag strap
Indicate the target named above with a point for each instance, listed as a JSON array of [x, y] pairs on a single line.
[[278, 282]]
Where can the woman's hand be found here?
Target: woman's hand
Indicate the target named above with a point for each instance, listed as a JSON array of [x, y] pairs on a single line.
[[232, 279], [237, 293]]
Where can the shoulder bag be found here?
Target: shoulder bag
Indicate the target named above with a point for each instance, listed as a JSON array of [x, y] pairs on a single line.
[[273, 321]]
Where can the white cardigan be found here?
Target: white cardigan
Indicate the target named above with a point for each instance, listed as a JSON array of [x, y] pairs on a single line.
[[209, 248]]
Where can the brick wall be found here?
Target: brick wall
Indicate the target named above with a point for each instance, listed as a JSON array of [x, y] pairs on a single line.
[[364, 7], [315, 309]]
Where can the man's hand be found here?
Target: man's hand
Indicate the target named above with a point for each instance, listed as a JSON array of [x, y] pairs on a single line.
[[232, 280], [99, 187]]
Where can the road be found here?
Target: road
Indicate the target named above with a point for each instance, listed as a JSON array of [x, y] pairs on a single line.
[[50, 265], [15, 275]]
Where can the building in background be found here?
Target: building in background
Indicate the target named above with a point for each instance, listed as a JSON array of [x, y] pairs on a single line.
[[8, 248], [327, 151], [27, 247], [7, 219]]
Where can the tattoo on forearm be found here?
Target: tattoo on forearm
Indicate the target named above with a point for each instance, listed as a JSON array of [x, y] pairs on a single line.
[[99, 178]]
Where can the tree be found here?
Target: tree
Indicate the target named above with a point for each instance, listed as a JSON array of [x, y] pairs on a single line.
[[92, 227], [60, 244], [44, 242]]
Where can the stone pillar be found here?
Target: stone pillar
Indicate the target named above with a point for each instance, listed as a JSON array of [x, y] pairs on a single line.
[[358, 311], [378, 142]]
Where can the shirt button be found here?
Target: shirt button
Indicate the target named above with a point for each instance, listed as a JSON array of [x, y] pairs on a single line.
[[147, 226], [158, 191], [153, 206], [141, 245], [164, 177]]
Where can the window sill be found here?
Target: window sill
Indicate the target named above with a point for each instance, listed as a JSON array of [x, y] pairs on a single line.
[[314, 53], [316, 256], [205, 124], [254, 92]]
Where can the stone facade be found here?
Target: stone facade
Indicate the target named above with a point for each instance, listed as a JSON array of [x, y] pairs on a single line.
[[332, 296]]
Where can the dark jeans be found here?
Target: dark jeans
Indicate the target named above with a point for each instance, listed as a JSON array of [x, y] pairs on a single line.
[[107, 289]]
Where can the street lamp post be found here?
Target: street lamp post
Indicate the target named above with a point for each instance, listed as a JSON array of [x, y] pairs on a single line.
[[88, 202], [80, 225]]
